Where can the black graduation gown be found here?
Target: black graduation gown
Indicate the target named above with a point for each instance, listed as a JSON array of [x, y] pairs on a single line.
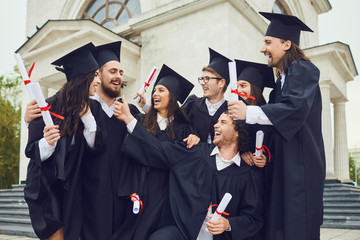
[[198, 113], [54, 196], [298, 166], [153, 190], [195, 183], [103, 209]]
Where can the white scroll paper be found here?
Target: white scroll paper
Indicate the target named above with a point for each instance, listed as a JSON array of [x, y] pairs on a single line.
[[39, 97], [259, 143], [233, 81], [136, 205], [143, 88], [222, 205], [24, 74]]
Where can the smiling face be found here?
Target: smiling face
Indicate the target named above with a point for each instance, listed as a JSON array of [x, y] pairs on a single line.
[[161, 98], [274, 49], [111, 75], [225, 133], [213, 88], [94, 84], [244, 87]]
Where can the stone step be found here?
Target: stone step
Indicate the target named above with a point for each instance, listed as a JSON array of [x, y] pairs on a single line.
[[352, 225], [342, 205], [12, 195], [18, 186], [344, 194], [334, 218], [14, 206], [342, 211], [17, 230], [15, 221], [344, 198], [12, 201], [342, 186], [21, 213]]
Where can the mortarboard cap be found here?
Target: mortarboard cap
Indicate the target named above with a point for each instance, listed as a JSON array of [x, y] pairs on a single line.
[[284, 26], [77, 62], [174, 82], [219, 64], [257, 74], [108, 52]]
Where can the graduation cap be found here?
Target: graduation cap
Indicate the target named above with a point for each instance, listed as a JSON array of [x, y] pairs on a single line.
[[77, 62], [219, 64], [174, 82], [284, 26], [257, 74], [108, 52]]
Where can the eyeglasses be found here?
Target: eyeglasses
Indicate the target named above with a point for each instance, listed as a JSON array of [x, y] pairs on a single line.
[[206, 79]]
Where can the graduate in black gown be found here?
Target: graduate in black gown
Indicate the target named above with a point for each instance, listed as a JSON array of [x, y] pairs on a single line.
[[298, 166], [252, 79], [200, 176], [103, 209], [167, 122], [53, 184], [205, 111]]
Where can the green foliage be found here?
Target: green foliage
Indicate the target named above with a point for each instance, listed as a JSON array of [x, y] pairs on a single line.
[[9, 129], [352, 168]]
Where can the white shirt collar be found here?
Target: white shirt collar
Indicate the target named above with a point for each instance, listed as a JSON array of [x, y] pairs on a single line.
[[222, 163], [109, 110], [212, 108], [163, 122], [282, 80]]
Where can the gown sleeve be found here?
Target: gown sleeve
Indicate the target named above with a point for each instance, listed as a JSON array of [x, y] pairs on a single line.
[[249, 222], [299, 91], [146, 149]]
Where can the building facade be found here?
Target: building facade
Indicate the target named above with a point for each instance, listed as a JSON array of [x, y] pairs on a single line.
[[178, 33]]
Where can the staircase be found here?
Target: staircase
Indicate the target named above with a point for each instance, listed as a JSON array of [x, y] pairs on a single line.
[[341, 206], [14, 213]]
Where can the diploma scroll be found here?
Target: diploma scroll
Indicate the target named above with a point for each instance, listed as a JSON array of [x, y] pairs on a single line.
[[143, 88], [24, 74], [259, 143], [136, 205], [233, 81], [222, 205], [39, 97]]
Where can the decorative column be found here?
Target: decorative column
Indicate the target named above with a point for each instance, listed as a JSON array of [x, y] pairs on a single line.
[[341, 155], [327, 129]]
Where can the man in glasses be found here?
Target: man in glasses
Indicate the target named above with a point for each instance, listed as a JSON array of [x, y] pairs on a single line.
[[205, 111]]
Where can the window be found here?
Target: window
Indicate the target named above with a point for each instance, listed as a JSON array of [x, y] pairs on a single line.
[[279, 8], [110, 13]]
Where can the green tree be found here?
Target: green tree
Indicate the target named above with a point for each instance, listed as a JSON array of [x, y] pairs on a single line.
[[352, 168], [9, 129]]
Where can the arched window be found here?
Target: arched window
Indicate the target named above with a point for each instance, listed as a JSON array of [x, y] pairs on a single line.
[[279, 7], [110, 13]]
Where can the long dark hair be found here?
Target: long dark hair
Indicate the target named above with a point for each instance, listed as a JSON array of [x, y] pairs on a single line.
[[243, 136], [70, 100], [257, 94], [293, 54], [150, 118]]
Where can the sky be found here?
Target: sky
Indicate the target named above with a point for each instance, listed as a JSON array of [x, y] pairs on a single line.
[[339, 24]]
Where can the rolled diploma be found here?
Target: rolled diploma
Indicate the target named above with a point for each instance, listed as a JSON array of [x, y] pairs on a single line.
[[136, 205], [259, 142], [148, 80], [222, 205], [39, 97], [233, 80], [23, 73]]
